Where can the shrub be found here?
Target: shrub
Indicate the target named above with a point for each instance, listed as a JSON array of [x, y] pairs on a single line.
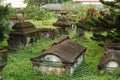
[[4, 22]]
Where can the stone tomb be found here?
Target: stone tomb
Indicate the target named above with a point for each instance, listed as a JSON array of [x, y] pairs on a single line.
[[111, 58], [48, 33], [23, 34], [64, 24], [60, 58], [110, 61]]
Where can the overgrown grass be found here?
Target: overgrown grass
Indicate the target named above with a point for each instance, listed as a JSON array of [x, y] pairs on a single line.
[[19, 66], [45, 23]]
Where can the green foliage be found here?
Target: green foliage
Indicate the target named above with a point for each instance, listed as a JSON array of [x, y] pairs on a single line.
[[115, 37], [81, 14], [3, 44], [108, 21], [40, 2], [117, 23], [114, 4], [98, 37], [39, 24], [77, 12], [38, 13], [5, 12], [34, 2], [72, 34]]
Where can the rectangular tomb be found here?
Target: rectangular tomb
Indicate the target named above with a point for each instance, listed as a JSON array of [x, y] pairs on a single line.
[[23, 34], [61, 58]]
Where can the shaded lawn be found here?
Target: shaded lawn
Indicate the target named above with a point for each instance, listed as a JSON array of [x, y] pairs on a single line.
[[19, 66]]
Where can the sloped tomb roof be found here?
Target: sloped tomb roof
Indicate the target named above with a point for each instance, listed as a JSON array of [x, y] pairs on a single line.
[[66, 49], [24, 27], [111, 55]]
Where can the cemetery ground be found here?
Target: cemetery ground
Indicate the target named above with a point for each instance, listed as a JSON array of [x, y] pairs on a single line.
[[19, 66]]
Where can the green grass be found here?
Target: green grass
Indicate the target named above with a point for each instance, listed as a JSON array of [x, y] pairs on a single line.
[[3, 44], [19, 66], [45, 23]]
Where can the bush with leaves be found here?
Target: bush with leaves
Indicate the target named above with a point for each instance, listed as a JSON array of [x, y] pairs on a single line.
[[38, 13], [108, 22], [80, 13], [5, 12]]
